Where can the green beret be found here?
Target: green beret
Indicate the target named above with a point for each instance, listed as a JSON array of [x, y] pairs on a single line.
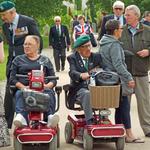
[[81, 41], [6, 5]]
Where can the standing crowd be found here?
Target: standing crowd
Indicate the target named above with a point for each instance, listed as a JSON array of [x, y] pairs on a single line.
[[123, 47]]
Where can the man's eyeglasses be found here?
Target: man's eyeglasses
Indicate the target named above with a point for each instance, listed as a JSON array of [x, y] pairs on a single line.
[[57, 21], [27, 44], [86, 46], [118, 9]]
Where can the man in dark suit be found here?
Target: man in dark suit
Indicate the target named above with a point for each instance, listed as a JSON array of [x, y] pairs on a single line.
[[15, 28], [59, 39], [82, 62], [118, 9]]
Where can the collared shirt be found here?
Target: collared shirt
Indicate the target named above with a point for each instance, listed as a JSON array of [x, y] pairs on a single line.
[[15, 22], [121, 19], [59, 28], [83, 59], [134, 30]]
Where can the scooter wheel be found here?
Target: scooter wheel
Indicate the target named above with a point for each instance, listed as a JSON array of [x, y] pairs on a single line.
[[120, 143], [68, 133], [17, 145], [87, 140], [53, 143]]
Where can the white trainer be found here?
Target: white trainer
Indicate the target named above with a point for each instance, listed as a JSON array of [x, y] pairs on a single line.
[[53, 120], [20, 121]]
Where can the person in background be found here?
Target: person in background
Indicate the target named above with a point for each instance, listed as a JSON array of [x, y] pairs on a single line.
[[136, 39], [59, 40], [1, 51], [81, 29], [23, 64], [15, 28], [118, 10], [4, 136], [81, 62], [146, 18]]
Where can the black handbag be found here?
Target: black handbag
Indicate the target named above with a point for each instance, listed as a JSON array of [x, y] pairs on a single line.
[[36, 101], [106, 78], [93, 40]]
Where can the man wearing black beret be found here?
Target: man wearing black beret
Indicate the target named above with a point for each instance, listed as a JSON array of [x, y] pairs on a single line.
[[15, 28], [82, 62]]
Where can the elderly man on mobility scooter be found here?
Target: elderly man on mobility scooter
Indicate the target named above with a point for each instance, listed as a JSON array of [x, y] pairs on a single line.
[[31, 62], [90, 127]]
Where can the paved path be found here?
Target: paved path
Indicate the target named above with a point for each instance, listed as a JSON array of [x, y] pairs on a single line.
[[63, 112]]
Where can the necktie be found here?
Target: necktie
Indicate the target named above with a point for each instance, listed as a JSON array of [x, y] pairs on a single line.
[[12, 33], [85, 63], [118, 18], [82, 28], [58, 31]]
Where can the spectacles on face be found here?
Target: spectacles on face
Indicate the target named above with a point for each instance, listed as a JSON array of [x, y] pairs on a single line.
[[28, 44], [86, 46], [57, 21], [118, 9]]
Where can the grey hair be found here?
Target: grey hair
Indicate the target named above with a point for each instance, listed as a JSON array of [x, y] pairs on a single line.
[[118, 4], [135, 9], [36, 38], [57, 18]]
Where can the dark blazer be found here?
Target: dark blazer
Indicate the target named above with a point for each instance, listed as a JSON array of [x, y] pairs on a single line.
[[26, 26], [76, 68], [105, 19], [59, 42]]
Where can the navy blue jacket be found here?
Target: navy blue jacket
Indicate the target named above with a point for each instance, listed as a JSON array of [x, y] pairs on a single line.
[[76, 68], [56, 41], [105, 19], [26, 26]]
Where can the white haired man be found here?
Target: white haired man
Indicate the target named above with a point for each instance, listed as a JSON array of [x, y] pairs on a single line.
[[118, 10], [59, 39]]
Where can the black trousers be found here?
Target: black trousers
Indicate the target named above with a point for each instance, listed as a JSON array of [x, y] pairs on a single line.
[[9, 98], [59, 58], [122, 114]]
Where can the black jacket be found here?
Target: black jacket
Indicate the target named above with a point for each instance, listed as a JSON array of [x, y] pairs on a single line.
[[76, 68], [56, 41], [105, 19], [26, 26]]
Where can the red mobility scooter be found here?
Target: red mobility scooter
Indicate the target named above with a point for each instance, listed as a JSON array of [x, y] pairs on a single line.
[[103, 130], [37, 134]]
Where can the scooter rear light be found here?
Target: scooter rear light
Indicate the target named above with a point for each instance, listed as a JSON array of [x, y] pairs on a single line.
[[35, 138]]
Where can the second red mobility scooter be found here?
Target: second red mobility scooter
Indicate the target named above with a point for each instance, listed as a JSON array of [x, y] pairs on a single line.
[[103, 130]]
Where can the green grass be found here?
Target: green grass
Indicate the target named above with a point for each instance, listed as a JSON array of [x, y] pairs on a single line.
[[45, 41], [3, 65]]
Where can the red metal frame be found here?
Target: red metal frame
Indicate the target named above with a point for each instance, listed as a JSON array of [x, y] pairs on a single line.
[[100, 130], [42, 133]]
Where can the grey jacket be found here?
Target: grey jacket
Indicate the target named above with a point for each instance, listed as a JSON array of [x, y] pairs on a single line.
[[113, 57]]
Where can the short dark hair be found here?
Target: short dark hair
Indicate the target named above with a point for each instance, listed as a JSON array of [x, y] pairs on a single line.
[[111, 25]]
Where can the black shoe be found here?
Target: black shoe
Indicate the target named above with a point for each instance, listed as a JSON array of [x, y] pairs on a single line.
[[148, 134]]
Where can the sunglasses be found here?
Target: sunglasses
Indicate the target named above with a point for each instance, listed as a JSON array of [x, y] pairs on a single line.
[[57, 21], [118, 9]]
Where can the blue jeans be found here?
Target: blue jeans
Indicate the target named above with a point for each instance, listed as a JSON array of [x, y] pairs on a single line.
[[122, 114], [20, 104]]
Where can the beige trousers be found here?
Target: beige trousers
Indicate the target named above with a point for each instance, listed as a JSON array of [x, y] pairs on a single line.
[[142, 93]]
